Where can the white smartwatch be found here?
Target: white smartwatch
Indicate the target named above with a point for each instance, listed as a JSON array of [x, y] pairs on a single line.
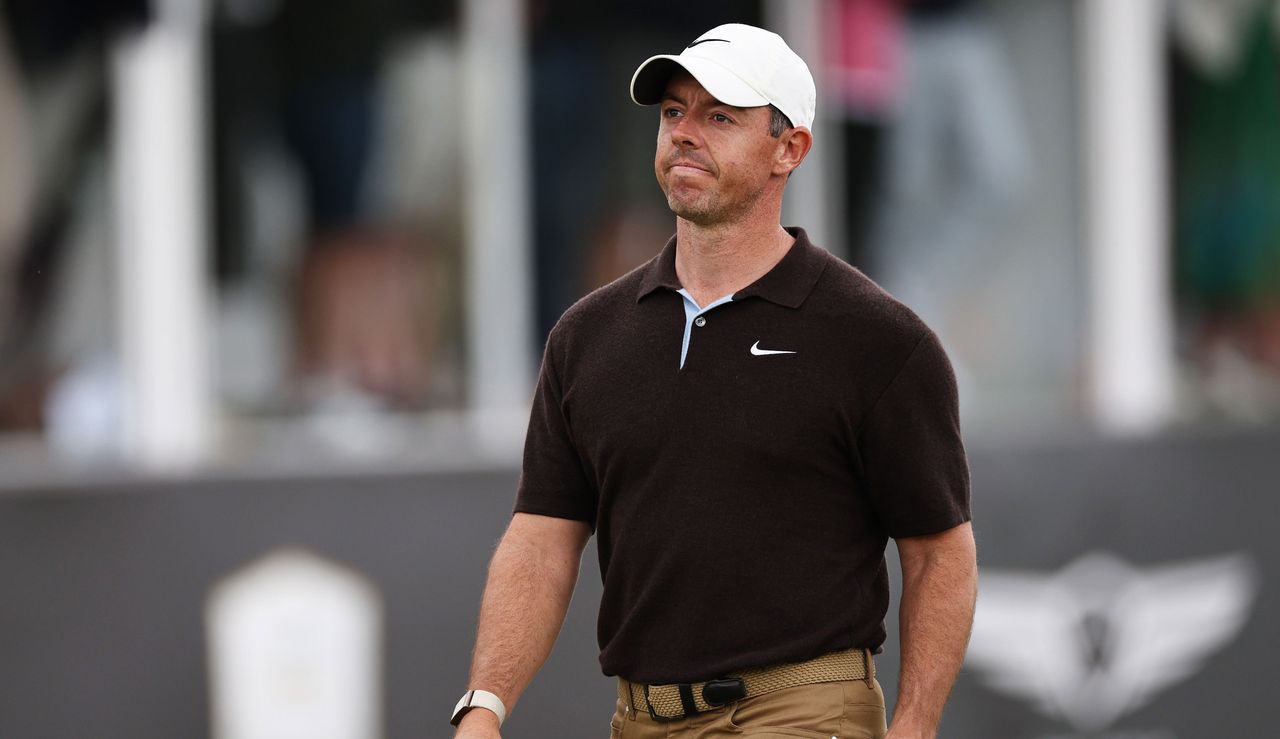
[[479, 699]]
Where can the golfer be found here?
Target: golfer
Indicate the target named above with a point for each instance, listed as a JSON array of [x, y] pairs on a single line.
[[743, 423]]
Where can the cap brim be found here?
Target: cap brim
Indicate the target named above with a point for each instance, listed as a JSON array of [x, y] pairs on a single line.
[[650, 81]]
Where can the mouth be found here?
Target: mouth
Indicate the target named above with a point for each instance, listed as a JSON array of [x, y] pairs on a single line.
[[687, 168]]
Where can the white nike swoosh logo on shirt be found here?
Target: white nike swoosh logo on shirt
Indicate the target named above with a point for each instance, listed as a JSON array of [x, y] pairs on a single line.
[[756, 350]]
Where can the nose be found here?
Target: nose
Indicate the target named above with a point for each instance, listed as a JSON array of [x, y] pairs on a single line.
[[684, 134]]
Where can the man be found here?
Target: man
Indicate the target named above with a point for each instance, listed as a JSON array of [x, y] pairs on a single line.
[[742, 422]]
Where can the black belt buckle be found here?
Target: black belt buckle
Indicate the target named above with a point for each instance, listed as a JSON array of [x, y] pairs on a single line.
[[715, 692], [654, 713], [725, 690]]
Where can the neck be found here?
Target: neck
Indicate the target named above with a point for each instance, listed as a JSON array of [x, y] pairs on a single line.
[[720, 259]]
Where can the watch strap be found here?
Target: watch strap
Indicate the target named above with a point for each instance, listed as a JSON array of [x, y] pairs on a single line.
[[479, 699]]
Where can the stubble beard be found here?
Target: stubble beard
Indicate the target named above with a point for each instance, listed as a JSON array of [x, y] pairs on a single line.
[[701, 206], [706, 207], [702, 211]]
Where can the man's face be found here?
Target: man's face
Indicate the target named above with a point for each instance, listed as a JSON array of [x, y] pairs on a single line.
[[713, 160]]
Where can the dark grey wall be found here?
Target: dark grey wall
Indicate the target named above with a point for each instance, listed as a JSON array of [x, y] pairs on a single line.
[[1151, 503], [102, 596], [102, 589]]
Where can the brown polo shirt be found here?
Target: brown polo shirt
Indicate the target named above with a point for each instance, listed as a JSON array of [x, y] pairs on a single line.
[[742, 503]]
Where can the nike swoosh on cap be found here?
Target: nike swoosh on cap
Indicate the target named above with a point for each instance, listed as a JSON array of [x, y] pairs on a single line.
[[706, 40], [757, 351]]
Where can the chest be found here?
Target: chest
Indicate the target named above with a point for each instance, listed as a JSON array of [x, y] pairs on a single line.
[[759, 381]]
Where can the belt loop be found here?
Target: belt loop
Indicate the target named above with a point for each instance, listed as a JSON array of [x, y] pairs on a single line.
[[638, 694], [869, 666], [686, 699], [631, 700]]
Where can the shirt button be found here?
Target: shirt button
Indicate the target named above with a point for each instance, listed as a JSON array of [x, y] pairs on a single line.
[[699, 321]]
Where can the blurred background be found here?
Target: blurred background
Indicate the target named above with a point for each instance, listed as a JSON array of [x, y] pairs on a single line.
[[275, 278]]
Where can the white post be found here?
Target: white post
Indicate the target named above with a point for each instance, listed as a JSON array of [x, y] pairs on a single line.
[[811, 194], [1131, 324], [157, 146], [499, 305]]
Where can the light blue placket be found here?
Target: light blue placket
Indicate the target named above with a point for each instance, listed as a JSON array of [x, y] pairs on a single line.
[[691, 313]]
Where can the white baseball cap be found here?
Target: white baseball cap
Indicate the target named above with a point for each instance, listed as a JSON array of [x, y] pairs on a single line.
[[739, 65]]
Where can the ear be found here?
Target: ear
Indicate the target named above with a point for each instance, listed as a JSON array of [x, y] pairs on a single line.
[[793, 146]]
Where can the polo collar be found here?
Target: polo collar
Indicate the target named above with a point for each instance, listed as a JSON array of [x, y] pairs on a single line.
[[787, 284], [660, 271]]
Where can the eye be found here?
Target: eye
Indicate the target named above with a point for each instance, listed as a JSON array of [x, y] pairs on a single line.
[[721, 118], [671, 113]]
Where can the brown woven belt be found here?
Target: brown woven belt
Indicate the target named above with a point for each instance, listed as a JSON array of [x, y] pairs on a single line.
[[678, 700]]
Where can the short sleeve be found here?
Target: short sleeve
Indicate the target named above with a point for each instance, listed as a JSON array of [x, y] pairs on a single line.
[[913, 460], [552, 479]]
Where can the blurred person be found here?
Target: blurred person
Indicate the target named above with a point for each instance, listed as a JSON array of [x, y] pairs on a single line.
[[569, 173], [309, 73], [1226, 161], [743, 421], [14, 164], [54, 104], [864, 39], [955, 162], [14, 176], [575, 173]]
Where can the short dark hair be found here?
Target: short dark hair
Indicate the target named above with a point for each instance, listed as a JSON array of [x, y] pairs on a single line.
[[778, 121]]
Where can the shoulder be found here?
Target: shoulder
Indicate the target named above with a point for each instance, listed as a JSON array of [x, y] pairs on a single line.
[[598, 312], [885, 344], [867, 312]]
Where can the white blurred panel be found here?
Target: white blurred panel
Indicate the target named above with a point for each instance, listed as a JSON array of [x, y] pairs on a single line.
[[157, 89], [294, 649], [499, 278], [1131, 321]]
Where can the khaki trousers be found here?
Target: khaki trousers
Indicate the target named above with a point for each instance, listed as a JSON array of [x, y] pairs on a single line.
[[852, 709]]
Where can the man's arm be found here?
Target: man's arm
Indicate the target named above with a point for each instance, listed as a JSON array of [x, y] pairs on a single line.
[[531, 581], [939, 589]]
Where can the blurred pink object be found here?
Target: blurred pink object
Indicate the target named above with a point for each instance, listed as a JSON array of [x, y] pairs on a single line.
[[864, 55]]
